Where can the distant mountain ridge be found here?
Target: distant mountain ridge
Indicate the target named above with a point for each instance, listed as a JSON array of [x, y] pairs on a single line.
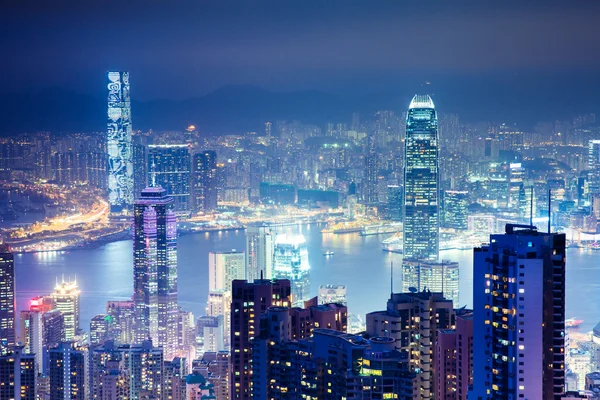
[[236, 109]]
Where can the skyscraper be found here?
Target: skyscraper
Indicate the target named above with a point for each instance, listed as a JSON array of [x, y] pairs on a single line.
[[155, 269], [414, 319], [434, 276], [120, 167], [66, 300], [204, 181], [421, 181], [249, 301], [519, 315], [68, 380], [17, 375], [370, 196], [169, 167], [224, 267], [260, 248], [291, 262], [456, 209], [593, 167], [140, 165], [7, 300]]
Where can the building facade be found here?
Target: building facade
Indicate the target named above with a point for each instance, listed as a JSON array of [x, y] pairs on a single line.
[[204, 181], [333, 294], [421, 181], [169, 167], [66, 300], [120, 166], [7, 300], [68, 378], [224, 267], [456, 203], [18, 375], [519, 315], [291, 262], [155, 269], [433, 276], [260, 249]]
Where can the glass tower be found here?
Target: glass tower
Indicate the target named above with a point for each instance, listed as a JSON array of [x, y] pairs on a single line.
[[291, 262], [421, 181], [155, 269], [169, 167], [204, 181], [7, 300], [120, 167]]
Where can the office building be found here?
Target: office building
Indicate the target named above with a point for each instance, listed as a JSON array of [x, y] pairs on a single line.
[[186, 331], [213, 331], [370, 194], [18, 375], [7, 300], [413, 320], [53, 323], [68, 372], [169, 167], [333, 294], [140, 165], [121, 321], [519, 315], [99, 329], [454, 363], [204, 181], [66, 300], [260, 249], [219, 303], [395, 202], [433, 276], [155, 269], [291, 262], [593, 181], [455, 213], [224, 267], [32, 336], [120, 166], [421, 181], [249, 301]]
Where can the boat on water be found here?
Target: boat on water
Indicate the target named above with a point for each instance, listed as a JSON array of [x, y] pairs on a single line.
[[328, 253], [573, 323]]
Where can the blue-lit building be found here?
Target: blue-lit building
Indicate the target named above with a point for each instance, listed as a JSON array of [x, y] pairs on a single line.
[[421, 181], [155, 269], [120, 166], [456, 203], [204, 181], [7, 300], [291, 262], [169, 167]]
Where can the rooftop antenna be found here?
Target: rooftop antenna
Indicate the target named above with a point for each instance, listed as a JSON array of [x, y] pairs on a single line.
[[549, 207], [531, 206]]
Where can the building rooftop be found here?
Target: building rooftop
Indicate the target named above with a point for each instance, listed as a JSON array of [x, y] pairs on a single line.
[[421, 101]]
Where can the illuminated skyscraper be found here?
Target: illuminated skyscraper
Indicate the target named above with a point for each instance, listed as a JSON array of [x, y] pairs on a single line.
[[204, 181], [155, 269], [594, 167], [440, 277], [456, 205], [120, 167], [66, 300], [7, 300], [259, 252], [224, 267], [291, 262], [421, 181], [169, 167], [519, 316]]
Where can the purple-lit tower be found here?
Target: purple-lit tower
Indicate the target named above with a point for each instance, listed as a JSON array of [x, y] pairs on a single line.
[[155, 270]]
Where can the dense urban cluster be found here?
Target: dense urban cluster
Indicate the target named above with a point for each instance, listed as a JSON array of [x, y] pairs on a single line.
[[428, 179]]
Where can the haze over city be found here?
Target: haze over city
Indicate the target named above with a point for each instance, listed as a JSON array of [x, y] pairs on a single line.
[[300, 200]]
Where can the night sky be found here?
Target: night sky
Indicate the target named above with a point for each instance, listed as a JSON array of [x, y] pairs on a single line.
[[177, 50]]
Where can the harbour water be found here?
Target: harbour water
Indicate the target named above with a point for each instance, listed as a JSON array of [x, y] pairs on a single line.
[[105, 273]]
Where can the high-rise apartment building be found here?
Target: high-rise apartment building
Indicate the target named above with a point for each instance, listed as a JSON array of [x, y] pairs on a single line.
[[332, 294], [68, 378], [224, 267], [204, 181], [32, 336], [434, 276], [121, 320], [120, 167], [66, 300], [370, 193], [249, 301], [413, 320], [214, 366], [291, 262], [593, 183], [169, 167], [454, 361], [155, 269], [260, 248], [455, 212], [7, 300], [519, 316], [18, 375], [421, 181]]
